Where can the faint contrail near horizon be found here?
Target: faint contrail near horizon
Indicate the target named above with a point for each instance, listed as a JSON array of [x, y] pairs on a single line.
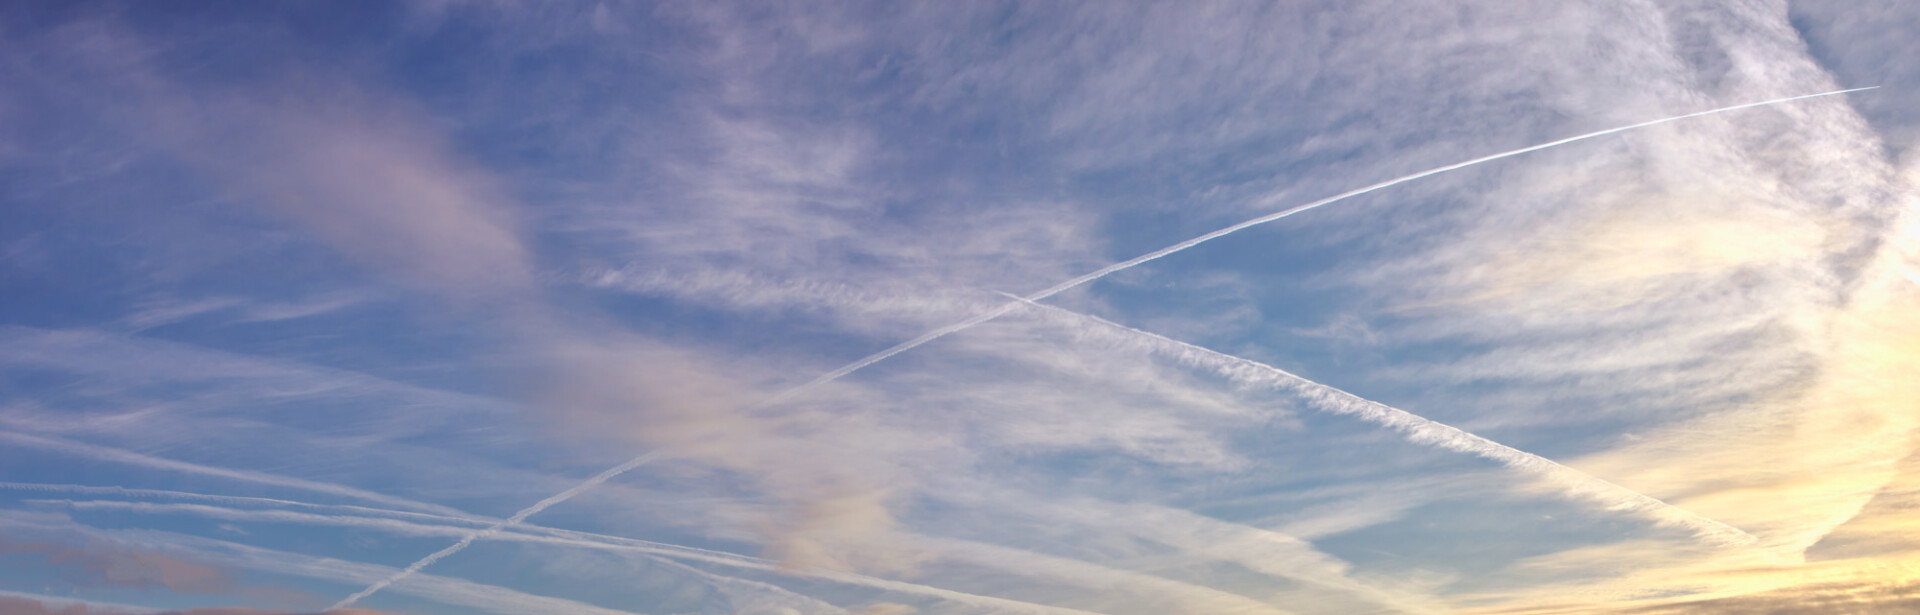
[[526, 532], [116, 455], [496, 528], [235, 500], [1063, 287], [1428, 431]]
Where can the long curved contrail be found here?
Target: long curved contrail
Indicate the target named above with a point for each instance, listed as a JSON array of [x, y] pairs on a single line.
[[1049, 292], [1169, 250], [1428, 431]]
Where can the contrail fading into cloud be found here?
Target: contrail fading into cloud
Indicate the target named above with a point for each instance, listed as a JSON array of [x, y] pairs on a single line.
[[1427, 431], [1095, 275], [497, 527]]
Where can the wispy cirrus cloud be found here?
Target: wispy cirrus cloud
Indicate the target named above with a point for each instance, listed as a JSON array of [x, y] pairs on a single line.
[[451, 260]]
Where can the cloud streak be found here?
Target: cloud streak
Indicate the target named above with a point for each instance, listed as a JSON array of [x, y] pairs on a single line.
[[115, 455], [1426, 431]]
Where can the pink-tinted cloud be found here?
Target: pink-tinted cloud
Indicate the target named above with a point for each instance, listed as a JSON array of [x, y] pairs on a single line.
[[98, 563], [10, 605], [22, 606]]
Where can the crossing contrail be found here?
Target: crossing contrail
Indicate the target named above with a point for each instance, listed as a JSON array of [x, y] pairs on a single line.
[[1439, 435], [421, 523], [496, 528], [1426, 431]]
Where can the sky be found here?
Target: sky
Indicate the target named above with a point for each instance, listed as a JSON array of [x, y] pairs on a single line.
[[883, 308]]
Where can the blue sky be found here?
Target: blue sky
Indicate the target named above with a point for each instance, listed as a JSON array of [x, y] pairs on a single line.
[[298, 294]]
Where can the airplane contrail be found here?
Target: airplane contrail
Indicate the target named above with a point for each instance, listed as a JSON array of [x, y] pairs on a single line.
[[1427, 431], [496, 528], [1169, 250], [1089, 277], [237, 500], [428, 524], [435, 526], [115, 455]]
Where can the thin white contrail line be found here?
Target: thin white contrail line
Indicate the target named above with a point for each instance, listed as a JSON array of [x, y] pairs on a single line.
[[1095, 275], [1163, 252], [106, 453], [436, 526], [496, 527], [1427, 431], [403, 521], [235, 500]]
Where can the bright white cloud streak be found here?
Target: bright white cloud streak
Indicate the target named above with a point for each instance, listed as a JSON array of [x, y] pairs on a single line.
[[115, 455], [1427, 431]]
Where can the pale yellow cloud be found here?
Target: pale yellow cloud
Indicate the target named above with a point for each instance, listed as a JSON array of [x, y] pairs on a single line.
[[1646, 576], [1823, 472], [1821, 468], [1636, 248], [888, 608], [1792, 467]]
